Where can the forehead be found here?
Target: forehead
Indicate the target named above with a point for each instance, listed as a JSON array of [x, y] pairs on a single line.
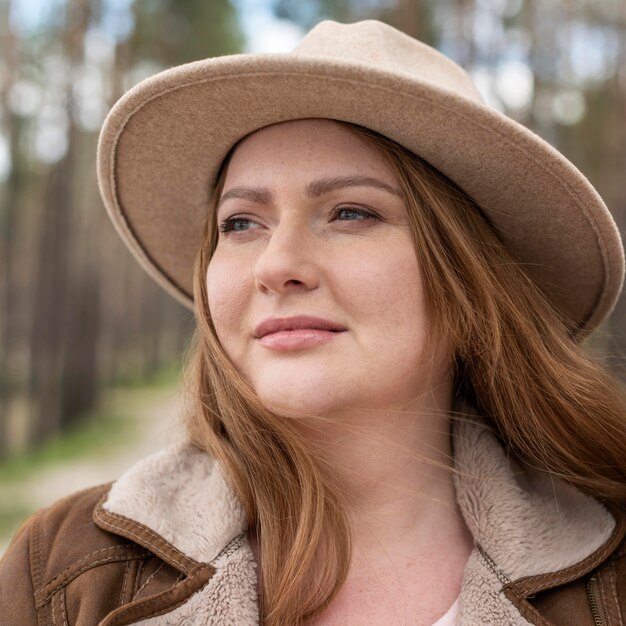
[[301, 149]]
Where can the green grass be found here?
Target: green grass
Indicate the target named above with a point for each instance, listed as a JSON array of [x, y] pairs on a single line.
[[97, 434], [12, 516], [164, 376], [111, 426]]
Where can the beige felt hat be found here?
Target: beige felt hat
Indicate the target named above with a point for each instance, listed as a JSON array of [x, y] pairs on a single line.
[[162, 143]]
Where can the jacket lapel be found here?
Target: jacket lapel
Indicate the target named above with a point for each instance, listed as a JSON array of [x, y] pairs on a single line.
[[177, 504], [525, 523]]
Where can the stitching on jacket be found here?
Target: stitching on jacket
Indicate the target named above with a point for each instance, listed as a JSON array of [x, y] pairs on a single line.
[[525, 608], [138, 531], [502, 577], [63, 602], [58, 608], [44, 594], [137, 611], [54, 619], [602, 589], [565, 186], [531, 584], [48, 594], [137, 577], [170, 608], [232, 547], [124, 581], [35, 575], [613, 579], [134, 535], [84, 559], [145, 584]]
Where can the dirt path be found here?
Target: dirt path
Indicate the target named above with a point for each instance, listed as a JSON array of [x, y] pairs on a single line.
[[158, 419]]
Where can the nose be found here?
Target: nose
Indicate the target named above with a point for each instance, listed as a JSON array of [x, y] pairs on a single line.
[[288, 261]]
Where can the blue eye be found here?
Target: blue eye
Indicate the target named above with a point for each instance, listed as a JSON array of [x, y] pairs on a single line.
[[352, 214], [236, 224]]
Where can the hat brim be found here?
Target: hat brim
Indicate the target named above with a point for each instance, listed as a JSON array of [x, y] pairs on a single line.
[[162, 143]]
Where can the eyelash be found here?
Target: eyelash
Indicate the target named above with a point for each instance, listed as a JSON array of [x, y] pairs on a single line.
[[227, 225], [367, 214]]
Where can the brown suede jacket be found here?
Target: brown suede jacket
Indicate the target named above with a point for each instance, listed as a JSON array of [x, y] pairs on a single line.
[[166, 544]]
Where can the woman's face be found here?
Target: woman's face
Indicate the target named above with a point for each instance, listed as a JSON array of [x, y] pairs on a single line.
[[312, 224]]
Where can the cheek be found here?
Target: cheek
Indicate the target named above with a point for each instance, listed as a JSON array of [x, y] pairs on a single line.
[[390, 290], [405, 289], [228, 295]]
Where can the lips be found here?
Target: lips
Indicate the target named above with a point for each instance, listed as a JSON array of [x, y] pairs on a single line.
[[278, 324]]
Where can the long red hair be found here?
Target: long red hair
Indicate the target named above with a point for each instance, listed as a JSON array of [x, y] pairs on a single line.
[[552, 403]]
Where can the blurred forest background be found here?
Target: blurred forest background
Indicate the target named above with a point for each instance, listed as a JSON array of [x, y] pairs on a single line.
[[78, 316]]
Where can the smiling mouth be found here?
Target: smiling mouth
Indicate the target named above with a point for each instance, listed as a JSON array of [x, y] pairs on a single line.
[[284, 334], [296, 323]]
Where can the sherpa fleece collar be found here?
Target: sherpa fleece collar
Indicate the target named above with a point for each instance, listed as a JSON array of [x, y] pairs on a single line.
[[524, 523]]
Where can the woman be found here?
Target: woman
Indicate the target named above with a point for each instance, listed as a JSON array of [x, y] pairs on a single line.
[[394, 422]]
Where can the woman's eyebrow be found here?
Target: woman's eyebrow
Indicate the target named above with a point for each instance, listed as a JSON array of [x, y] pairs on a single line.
[[321, 186], [314, 189], [260, 195]]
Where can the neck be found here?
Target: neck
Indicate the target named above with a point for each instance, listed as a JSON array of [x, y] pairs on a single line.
[[393, 468]]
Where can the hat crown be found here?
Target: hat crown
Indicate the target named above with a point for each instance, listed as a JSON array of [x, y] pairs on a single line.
[[380, 46]]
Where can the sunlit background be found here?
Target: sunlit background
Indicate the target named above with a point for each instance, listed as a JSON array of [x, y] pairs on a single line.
[[90, 347]]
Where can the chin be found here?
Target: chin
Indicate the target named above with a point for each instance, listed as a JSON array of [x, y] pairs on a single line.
[[297, 405], [292, 390]]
